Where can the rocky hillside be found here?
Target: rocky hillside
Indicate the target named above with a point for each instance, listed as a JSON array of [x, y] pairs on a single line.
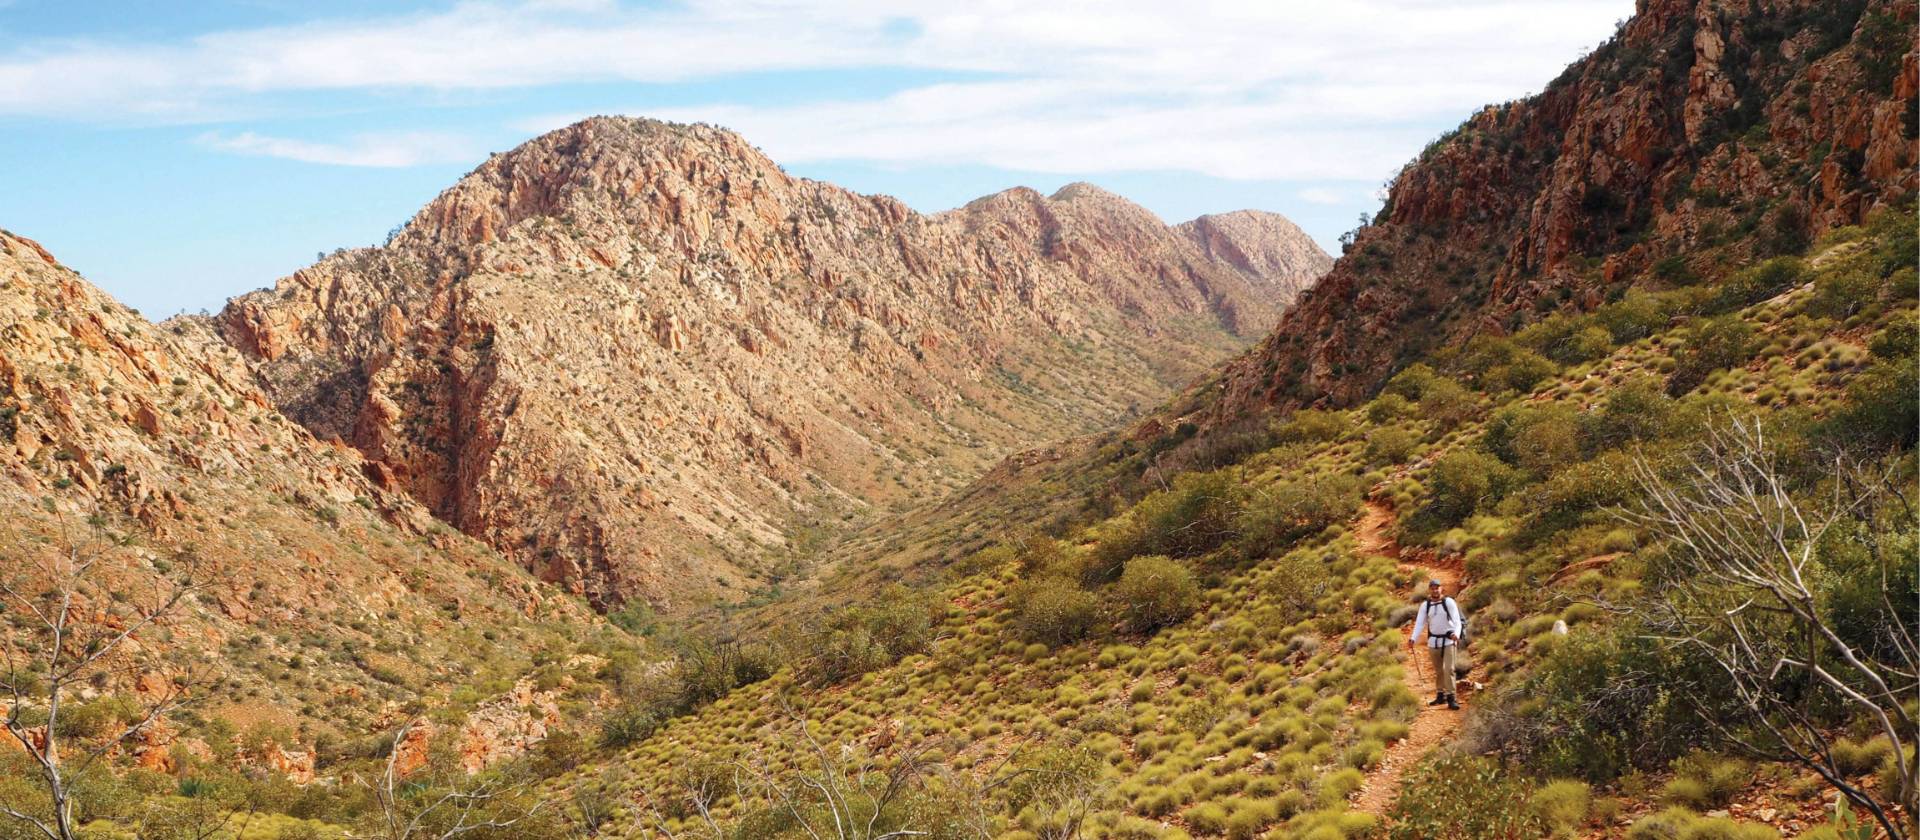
[[327, 603], [643, 360], [1701, 125]]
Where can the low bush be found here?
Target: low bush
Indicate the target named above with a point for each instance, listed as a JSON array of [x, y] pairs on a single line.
[[1313, 426], [1464, 796], [1053, 611], [1634, 411], [1279, 517], [1387, 408], [1563, 806], [627, 725], [1758, 283], [1464, 480], [1448, 403], [1194, 516], [1715, 344], [1412, 382], [1155, 592], [1390, 445], [1703, 780]]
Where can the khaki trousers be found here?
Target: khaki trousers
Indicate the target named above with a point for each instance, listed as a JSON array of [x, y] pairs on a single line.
[[1442, 668]]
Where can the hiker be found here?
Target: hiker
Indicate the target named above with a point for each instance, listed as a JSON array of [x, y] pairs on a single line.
[[1442, 622]]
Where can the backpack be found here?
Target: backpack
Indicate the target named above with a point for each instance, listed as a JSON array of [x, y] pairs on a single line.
[[1466, 635]]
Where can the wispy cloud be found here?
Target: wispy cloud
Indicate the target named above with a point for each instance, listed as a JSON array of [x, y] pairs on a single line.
[[1323, 195], [1250, 89], [380, 150]]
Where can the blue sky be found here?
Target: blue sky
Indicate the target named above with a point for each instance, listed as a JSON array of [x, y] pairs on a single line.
[[180, 153]]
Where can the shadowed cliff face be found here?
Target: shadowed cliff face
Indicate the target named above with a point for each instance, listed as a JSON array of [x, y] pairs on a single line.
[[1703, 124], [151, 448], [640, 358]]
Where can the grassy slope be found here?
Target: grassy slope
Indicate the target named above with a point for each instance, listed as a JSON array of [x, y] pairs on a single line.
[[1224, 714]]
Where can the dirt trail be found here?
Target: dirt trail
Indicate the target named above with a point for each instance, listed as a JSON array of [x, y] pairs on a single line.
[[1436, 724]]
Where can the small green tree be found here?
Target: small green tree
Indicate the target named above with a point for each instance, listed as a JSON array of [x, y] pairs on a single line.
[[1155, 592]]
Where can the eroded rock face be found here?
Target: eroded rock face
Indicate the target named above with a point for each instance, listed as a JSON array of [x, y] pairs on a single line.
[[638, 356], [1697, 116], [159, 434]]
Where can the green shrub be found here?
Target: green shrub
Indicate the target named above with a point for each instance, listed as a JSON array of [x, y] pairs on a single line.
[[1462, 481], [1703, 780], [1155, 592], [895, 622], [1665, 825], [707, 669], [1721, 828], [1758, 283], [1390, 445], [1567, 339], [1412, 383], [1277, 517], [1335, 787], [1878, 410], [1559, 502], [1840, 292], [1633, 317], [1634, 411], [1194, 516], [1539, 438], [1464, 796], [1313, 426], [1448, 403], [1855, 758], [1520, 373], [1388, 407], [1249, 817], [1053, 611], [627, 725], [1673, 269], [1715, 344], [1573, 713], [1296, 582], [1207, 817], [1563, 806]]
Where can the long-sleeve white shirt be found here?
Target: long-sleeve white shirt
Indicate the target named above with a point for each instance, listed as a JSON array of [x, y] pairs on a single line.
[[1447, 620]]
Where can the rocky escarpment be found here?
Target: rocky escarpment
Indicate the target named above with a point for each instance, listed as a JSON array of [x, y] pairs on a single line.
[[1703, 126], [642, 359], [324, 600], [1264, 244]]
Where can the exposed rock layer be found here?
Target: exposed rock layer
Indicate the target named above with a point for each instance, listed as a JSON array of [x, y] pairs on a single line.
[[1702, 122], [151, 447], [641, 358]]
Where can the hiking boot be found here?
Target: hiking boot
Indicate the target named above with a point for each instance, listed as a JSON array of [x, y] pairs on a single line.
[[1438, 698], [1453, 703]]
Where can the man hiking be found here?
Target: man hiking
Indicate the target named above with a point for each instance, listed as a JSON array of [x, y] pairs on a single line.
[[1441, 622]]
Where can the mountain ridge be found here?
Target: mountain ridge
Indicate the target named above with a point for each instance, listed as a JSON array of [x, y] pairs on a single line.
[[699, 273]]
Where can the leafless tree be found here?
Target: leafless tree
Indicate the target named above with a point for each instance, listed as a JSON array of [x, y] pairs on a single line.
[[1744, 595], [701, 788], [838, 794], [464, 806], [77, 635]]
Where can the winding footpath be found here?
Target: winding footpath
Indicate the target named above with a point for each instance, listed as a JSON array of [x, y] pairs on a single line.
[[1435, 724]]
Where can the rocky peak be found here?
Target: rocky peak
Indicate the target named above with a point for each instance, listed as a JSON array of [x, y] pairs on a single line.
[[637, 355], [1699, 118], [1258, 242]]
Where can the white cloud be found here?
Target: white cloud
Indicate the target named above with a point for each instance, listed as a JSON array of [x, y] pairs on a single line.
[[378, 150], [1322, 195], [1296, 89]]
